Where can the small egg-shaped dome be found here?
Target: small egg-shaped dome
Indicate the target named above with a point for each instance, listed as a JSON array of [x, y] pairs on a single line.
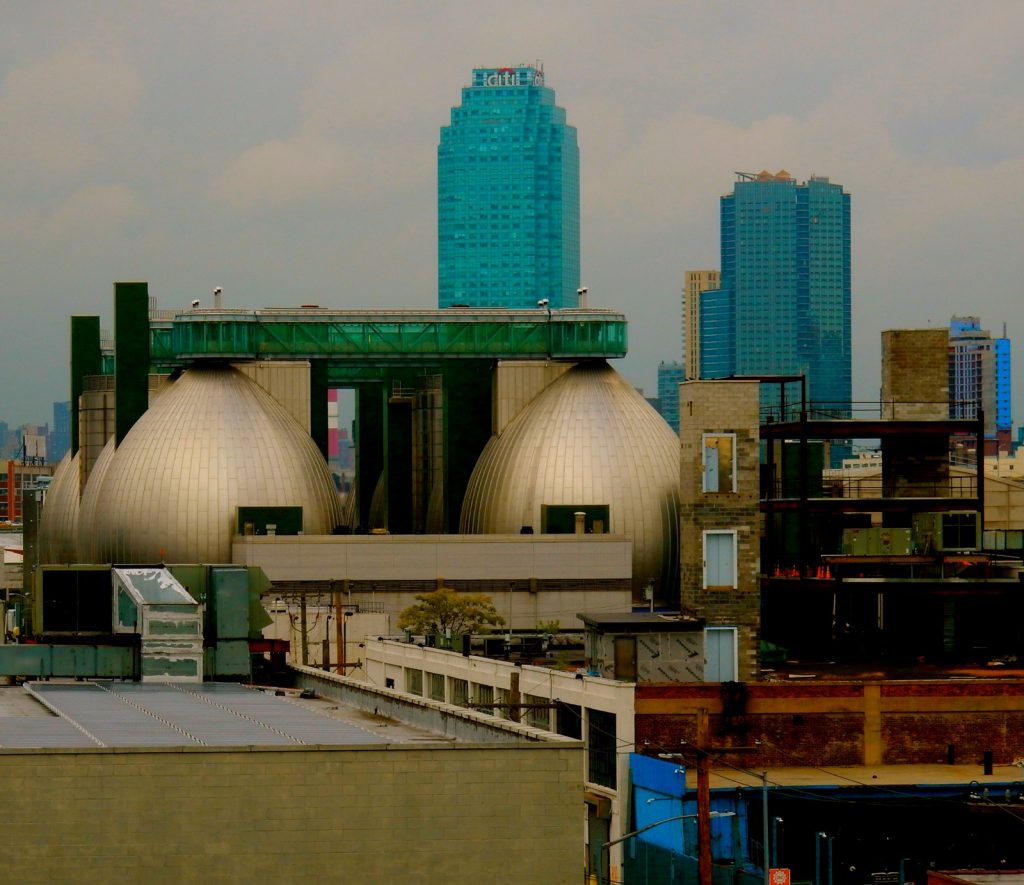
[[212, 442], [58, 523], [588, 439], [88, 549]]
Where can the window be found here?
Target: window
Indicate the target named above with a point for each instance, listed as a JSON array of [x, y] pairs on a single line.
[[720, 560], [483, 694], [719, 462], [538, 716], [436, 686], [601, 745], [625, 658], [458, 692], [569, 720], [414, 681], [502, 698], [720, 654]]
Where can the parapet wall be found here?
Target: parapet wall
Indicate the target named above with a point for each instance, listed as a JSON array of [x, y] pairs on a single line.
[[843, 723]]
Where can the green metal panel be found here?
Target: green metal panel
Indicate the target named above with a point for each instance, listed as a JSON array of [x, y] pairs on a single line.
[[177, 667], [230, 591], [286, 520], [560, 519], [194, 578], [70, 661], [318, 404], [85, 361], [232, 658], [791, 469], [131, 322]]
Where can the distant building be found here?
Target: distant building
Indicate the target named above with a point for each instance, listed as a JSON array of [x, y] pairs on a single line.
[[784, 303], [979, 376], [60, 435], [508, 195], [670, 376], [17, 478], [695, 282]]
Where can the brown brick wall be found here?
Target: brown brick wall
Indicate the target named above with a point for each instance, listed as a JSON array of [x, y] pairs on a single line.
[[845, 723], [923, 737]]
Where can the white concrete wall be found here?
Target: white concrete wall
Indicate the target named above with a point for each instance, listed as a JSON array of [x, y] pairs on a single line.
[[391, 660]]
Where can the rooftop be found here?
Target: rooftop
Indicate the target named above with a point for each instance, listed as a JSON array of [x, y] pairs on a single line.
[[212, 714]]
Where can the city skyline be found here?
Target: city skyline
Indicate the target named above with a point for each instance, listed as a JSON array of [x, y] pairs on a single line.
[[292, 159]]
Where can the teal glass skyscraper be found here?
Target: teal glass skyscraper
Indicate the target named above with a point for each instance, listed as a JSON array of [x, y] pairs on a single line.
[[508, 195], [784, 303]]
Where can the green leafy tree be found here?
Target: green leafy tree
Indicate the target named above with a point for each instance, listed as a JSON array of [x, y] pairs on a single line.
[[446, 612]]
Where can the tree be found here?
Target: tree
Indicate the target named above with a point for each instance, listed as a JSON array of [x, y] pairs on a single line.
[[446, 612]]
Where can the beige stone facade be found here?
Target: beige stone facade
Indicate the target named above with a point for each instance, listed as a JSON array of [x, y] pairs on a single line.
[[473, 813], [728, 409], [530, 578], [695, 282]]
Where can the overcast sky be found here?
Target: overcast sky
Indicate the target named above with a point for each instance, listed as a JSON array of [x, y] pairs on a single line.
[[287, 152]]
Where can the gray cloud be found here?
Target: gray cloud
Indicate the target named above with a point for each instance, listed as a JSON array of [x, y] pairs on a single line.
[[288, 153]]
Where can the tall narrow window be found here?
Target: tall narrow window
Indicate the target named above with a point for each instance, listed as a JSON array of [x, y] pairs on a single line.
[[720, 560], [719, 462], [720, 654]]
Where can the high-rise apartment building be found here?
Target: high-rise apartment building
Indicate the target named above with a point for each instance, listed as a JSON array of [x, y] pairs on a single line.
[[508, 195], [783, 306], [694, 283], [979, 376], [60, 434], [670, 376]]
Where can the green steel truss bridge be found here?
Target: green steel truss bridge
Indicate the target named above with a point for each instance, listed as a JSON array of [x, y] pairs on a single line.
[[385, 337]]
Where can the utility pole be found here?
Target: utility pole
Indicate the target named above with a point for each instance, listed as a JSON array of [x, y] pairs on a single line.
[[302, 627], [703, 799], [514, 698], [339, 629], [764, 825]]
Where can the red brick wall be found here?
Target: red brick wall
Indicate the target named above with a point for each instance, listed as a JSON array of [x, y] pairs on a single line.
[[843, 723]]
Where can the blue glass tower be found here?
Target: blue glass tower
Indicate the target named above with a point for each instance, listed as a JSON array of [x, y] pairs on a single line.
[[508, 195], [670, 376], [784, 303]]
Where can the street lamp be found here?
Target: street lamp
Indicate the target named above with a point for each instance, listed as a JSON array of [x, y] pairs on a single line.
[[817, 856], [903, 870], [775, 840], [546, 304]]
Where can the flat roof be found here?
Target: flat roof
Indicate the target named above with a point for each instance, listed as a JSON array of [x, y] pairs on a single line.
[[871, 777], [213, 714], [641, 622]]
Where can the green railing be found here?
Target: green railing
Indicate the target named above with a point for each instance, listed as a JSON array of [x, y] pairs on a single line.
[[388, 335]]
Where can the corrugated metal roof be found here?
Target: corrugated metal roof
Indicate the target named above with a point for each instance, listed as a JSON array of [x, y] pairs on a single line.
[[128, 714]]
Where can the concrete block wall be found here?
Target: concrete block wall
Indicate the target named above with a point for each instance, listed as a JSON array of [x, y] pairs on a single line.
[[722, 407], [915, 374], [293, 815], [906, 722]]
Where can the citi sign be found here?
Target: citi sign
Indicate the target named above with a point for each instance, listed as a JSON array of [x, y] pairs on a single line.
[[502, 77]]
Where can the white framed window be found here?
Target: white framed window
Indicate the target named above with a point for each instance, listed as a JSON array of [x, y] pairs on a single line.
[[718, 460], [721, 663], [720, 559]]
